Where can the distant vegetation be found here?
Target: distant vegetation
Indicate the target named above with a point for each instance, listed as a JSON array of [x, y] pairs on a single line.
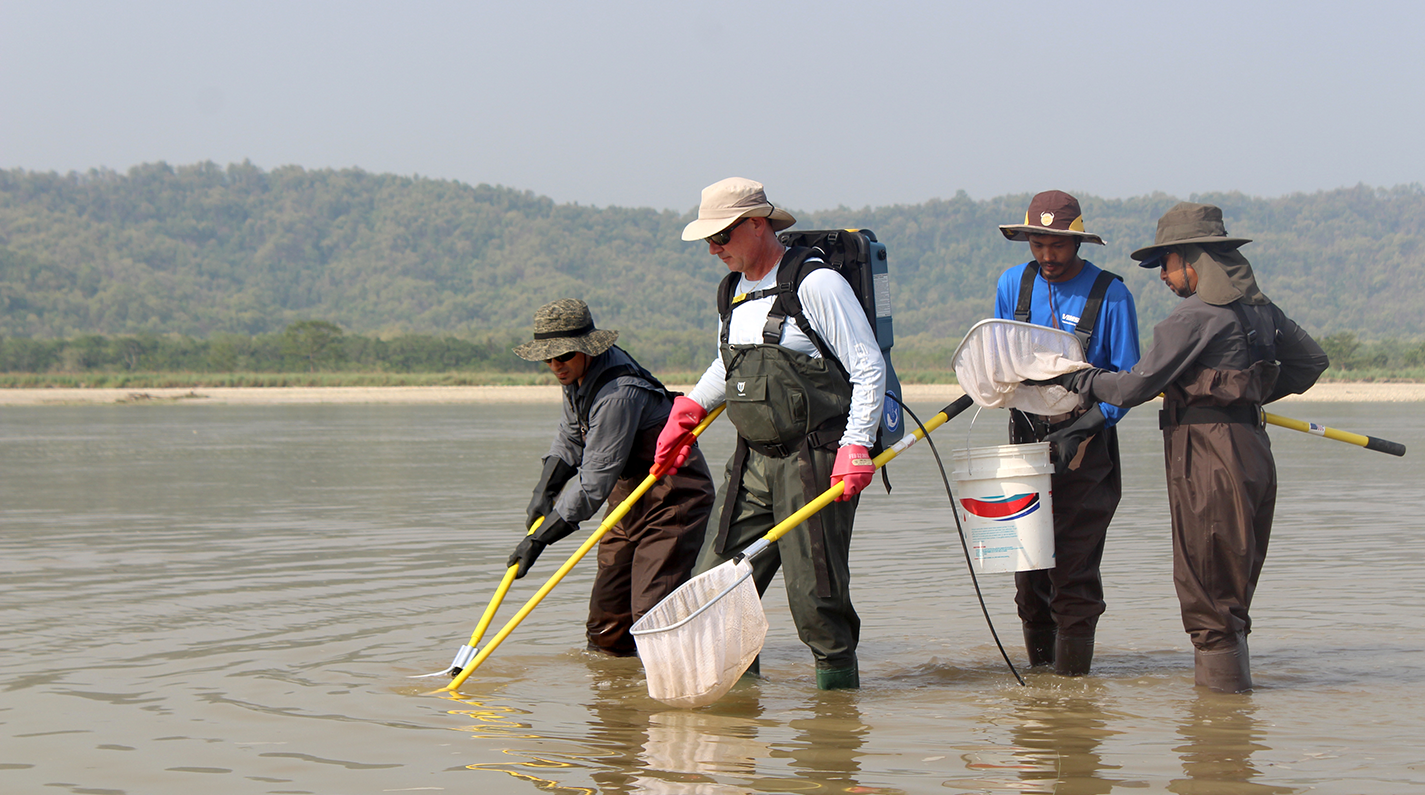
[[317, 353], [211, 269]]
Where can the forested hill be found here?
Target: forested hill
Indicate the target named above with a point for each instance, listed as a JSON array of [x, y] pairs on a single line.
[[203, 249]]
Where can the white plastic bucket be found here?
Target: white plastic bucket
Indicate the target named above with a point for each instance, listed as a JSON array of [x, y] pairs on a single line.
[[1005, 506]]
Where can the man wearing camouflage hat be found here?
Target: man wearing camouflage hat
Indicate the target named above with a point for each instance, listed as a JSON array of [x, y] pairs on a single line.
[[1060, 607], [613, 412]]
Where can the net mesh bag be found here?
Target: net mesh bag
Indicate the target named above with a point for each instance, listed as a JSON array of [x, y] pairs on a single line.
[[997, 355], [697, 641]]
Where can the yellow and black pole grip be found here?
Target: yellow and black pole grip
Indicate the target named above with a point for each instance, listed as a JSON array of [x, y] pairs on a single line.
[[1358, 439]]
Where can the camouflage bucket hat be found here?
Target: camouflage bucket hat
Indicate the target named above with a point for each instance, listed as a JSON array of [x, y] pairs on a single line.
[[1052, 212], [563, 326]]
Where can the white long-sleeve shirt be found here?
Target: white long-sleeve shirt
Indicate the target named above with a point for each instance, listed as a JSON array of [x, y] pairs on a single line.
[[832, 309]]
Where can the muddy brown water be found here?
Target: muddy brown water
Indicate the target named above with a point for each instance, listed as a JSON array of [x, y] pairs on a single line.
[[229, 599]]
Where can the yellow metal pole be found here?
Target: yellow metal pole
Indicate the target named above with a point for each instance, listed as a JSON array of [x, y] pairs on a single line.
[[826, 497], [609, 521], [1360, 440]]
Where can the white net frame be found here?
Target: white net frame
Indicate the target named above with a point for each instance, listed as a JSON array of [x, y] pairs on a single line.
[[699, 640], [997, 355]]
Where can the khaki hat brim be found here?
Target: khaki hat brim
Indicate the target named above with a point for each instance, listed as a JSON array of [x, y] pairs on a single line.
[[1021, 233], [703, 228], [1147, 252], [593, 344]]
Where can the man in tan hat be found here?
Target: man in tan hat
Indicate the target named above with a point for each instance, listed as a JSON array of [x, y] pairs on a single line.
[[1217, 357], [803, 379], [1060, 607], [613, 412]]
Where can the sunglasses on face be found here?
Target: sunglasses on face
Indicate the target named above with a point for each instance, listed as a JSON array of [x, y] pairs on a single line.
[[563, 357], [722, 238]]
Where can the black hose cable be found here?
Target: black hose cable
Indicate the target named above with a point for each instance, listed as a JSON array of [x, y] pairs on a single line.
[[969, 564]]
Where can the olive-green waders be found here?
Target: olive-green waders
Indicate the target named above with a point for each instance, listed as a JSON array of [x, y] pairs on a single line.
[[790, 411], [814, 556]]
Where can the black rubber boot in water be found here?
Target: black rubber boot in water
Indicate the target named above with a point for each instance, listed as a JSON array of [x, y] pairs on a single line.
[[1226, 670], [1039, 642], [755, 669], [1073, 654], [838, 678]]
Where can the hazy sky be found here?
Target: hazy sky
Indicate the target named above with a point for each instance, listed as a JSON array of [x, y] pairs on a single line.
[[644, 103]]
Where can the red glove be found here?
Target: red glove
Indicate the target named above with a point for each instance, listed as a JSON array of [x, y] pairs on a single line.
[[672, 447], [854, 468]]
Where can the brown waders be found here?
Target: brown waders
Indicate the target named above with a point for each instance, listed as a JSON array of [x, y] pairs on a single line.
[[1060, 606], [1222, 490], [650, 552]]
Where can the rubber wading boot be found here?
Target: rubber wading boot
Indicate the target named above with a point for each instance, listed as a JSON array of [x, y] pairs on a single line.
[[1226, 670], [838, 678], [754, 670], [1039, 642], [1073, 654]]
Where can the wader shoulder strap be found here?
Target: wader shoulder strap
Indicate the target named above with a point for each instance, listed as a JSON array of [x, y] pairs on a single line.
[[796, 264], [586, 403], [1257, 349], [1026, 291], [1087, 318]]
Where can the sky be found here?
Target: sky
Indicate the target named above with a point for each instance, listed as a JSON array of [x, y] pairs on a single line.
[[641, 104]]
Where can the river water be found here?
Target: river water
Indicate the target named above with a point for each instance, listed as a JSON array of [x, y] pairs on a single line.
[[230, 599]]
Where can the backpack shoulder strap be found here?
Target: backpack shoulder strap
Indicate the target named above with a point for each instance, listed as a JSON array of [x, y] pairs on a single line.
[[1257, 349], [1089, 317], [796, 265]]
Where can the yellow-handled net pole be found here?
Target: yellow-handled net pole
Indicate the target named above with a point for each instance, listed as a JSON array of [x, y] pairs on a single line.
[[609, 521], [1360, 440], [828, 496]]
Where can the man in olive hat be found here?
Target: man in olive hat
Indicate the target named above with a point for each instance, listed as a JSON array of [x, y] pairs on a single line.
[[804, 382], [1218, 356], [1060, 607], [613, 412]]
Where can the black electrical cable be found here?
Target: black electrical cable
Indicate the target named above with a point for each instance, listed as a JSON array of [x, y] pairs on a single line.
[[969, 564]]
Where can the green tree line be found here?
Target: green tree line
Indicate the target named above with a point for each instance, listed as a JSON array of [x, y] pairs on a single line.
[[317, 346], [216, 253], [310, 346]]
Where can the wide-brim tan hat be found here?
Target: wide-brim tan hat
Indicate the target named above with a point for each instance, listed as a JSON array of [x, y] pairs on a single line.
[[1052, 212], [729, 201], [1188, 223], [563, 326]]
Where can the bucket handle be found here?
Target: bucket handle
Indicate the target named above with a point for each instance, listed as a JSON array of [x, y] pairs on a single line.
[[969, 437]]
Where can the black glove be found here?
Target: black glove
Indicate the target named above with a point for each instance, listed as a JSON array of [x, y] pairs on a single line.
[[546, 491], [530, 547], [1074, 382], [1066, 441]]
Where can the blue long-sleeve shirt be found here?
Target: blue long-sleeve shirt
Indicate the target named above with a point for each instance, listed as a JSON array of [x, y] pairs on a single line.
[[1114, 345]]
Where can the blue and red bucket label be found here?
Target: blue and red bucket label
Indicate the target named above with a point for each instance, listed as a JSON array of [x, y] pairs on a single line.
[[1002, 509]]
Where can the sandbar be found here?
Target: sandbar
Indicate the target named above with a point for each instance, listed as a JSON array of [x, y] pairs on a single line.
[[1328, 392]]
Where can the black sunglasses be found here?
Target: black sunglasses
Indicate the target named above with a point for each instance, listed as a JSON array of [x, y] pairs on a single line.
[[722, 238], [563, 357]]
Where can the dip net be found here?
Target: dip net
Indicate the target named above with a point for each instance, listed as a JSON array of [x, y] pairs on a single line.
[[697, 641], [996, 355]]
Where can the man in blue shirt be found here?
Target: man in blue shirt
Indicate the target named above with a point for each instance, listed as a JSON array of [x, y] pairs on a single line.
[[1060, 606]]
